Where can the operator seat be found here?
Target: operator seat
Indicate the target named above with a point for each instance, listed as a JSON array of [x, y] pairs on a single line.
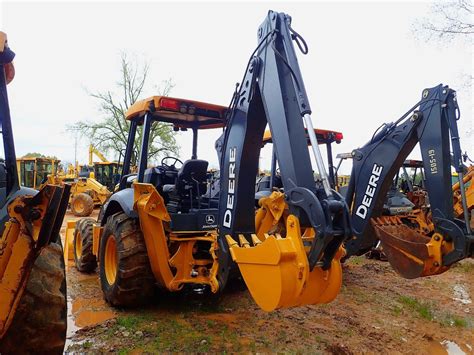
[[191, 182]]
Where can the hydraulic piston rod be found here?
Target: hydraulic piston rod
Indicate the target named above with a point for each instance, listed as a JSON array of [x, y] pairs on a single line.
[[317, 155]]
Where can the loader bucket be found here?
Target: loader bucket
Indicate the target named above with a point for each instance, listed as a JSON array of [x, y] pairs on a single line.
[[33, 222], [277, 273], [410, 253], [69, 241]]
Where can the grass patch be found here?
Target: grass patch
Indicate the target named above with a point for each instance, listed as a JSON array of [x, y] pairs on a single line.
[[464, 267], [451, 320], [460, 322], [87, 344], [422, 309], [129, 322], [356, 260], [396, 310], [425, 311]]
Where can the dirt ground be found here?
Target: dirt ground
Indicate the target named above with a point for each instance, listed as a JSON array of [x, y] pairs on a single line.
[[377, 312]]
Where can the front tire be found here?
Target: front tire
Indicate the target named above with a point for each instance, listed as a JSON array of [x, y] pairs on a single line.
[[125, 274], [84, 259], [82, 205], [40, 321]]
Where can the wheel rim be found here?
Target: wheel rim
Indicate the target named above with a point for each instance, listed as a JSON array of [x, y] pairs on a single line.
[[110, 262], [78, 246], [78, 206]]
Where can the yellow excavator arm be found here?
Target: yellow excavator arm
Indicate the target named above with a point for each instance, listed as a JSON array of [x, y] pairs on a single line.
[[93, 150]]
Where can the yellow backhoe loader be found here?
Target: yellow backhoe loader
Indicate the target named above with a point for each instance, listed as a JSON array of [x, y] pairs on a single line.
[[32, 274], [164, 227], [104, 171], [159, 227], [86, 193]]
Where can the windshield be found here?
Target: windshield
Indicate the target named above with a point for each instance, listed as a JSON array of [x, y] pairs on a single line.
[[43, 169]]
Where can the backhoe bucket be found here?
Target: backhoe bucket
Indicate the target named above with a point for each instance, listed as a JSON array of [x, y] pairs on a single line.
[[33, 222], [277, 273], [410, 253]]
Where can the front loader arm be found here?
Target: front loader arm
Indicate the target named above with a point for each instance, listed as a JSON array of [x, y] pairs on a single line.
[[375, 165], [273, 92]]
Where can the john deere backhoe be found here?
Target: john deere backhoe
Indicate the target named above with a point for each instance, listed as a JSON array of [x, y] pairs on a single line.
[[32, 275], [304, 266], [159, 228]]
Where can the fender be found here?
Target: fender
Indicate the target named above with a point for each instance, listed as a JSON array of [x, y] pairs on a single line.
[[121, 201]]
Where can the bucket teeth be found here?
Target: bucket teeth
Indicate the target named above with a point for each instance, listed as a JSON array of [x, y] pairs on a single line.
[[231, 242], [243, 242], [276, 270], [410, 253], [255, 240]]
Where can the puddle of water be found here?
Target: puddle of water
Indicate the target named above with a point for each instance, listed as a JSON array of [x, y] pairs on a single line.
[[84, 312], [71, 325], [89, 318], [452, 348], [81, 303], [461, 295], [447, 347]]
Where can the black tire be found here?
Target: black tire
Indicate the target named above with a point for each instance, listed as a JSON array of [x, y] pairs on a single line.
[[133, 284], [40, 321], [84, 259], [82, 205]]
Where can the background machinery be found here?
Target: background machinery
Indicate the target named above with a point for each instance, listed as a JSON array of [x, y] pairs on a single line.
[[33, 172], [323, 136], [86, 192], [104, 171], [32, 275]]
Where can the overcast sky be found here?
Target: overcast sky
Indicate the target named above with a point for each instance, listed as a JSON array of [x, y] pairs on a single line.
[[363, 68]]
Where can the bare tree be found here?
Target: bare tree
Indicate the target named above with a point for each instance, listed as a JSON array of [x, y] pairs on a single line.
[[450, 20], [447, 20], [111, 133]]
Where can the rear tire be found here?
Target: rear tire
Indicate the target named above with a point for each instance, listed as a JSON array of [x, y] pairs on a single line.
[[40, 322], [82, 205], [125, 273], [84, 259]]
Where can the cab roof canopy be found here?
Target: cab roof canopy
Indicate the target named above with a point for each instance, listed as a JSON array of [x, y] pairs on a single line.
[[181, 113], [322, 135]]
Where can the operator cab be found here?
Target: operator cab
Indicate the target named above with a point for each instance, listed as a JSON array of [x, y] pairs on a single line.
[[184, 185], [266, 183], [34, 171]]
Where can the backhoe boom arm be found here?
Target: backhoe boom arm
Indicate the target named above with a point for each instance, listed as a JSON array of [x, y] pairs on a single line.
[[273, 92], [433, 126]]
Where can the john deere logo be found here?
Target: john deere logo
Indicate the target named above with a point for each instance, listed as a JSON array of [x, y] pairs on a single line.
[[210, 219]]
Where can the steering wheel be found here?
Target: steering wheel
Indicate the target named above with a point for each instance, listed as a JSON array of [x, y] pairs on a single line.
[[171, 166]]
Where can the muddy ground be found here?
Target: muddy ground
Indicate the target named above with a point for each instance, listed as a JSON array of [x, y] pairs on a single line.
[[376, 311]]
